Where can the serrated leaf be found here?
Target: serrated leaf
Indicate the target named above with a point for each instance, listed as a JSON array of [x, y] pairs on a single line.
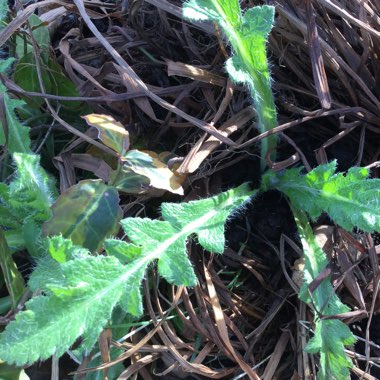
[[80, 294], [351, 199], [14, 135], [32, 238], [111, 132], [248, 34], [59, 250], [28, 196], [221, 11], [87, 213], [148, 164], [330, 335], [205, 218], [32, 178], [124, 251], [62, 250], [80, 306]]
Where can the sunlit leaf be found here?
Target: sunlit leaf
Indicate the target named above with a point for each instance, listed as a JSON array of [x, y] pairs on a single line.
[[330, 335], [149, 165], [126, 180], [247, 31], [351, 199], [79, 294], [111, 132]]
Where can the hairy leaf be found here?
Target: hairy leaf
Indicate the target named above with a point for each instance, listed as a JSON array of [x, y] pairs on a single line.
[[80, 305], [13, 134], [351, 199], [80, 293], [248, 34], [87, 213], [330, 335], [29, 195]]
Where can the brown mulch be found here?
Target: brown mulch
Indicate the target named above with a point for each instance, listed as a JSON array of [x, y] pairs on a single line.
[[164, 79]]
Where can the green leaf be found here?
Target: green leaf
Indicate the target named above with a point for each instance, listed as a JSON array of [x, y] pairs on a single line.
[[25, 203], [32, 191], [60, 250], [14, 135], [80, 293], [3, 13], [225, 12], [330, 335], [81, 305], [124, 251], [53, 78], [40, 34], [8, 372], [248, 34], [87, 213], [32, 238], [26, 77], [12, 276], [125, 180], [351, 199]]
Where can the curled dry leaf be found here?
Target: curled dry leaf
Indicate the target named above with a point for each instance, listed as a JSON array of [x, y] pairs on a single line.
[[150, 164], [111, 132]]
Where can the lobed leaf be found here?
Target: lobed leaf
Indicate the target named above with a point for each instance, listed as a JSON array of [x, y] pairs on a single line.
[[80, 292], [87, 213], [80, 305], [30, 194], [351, 199], [248, 34], [330, 335], [225, 12]]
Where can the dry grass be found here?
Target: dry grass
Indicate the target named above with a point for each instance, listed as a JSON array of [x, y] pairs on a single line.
[[165, 80]]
